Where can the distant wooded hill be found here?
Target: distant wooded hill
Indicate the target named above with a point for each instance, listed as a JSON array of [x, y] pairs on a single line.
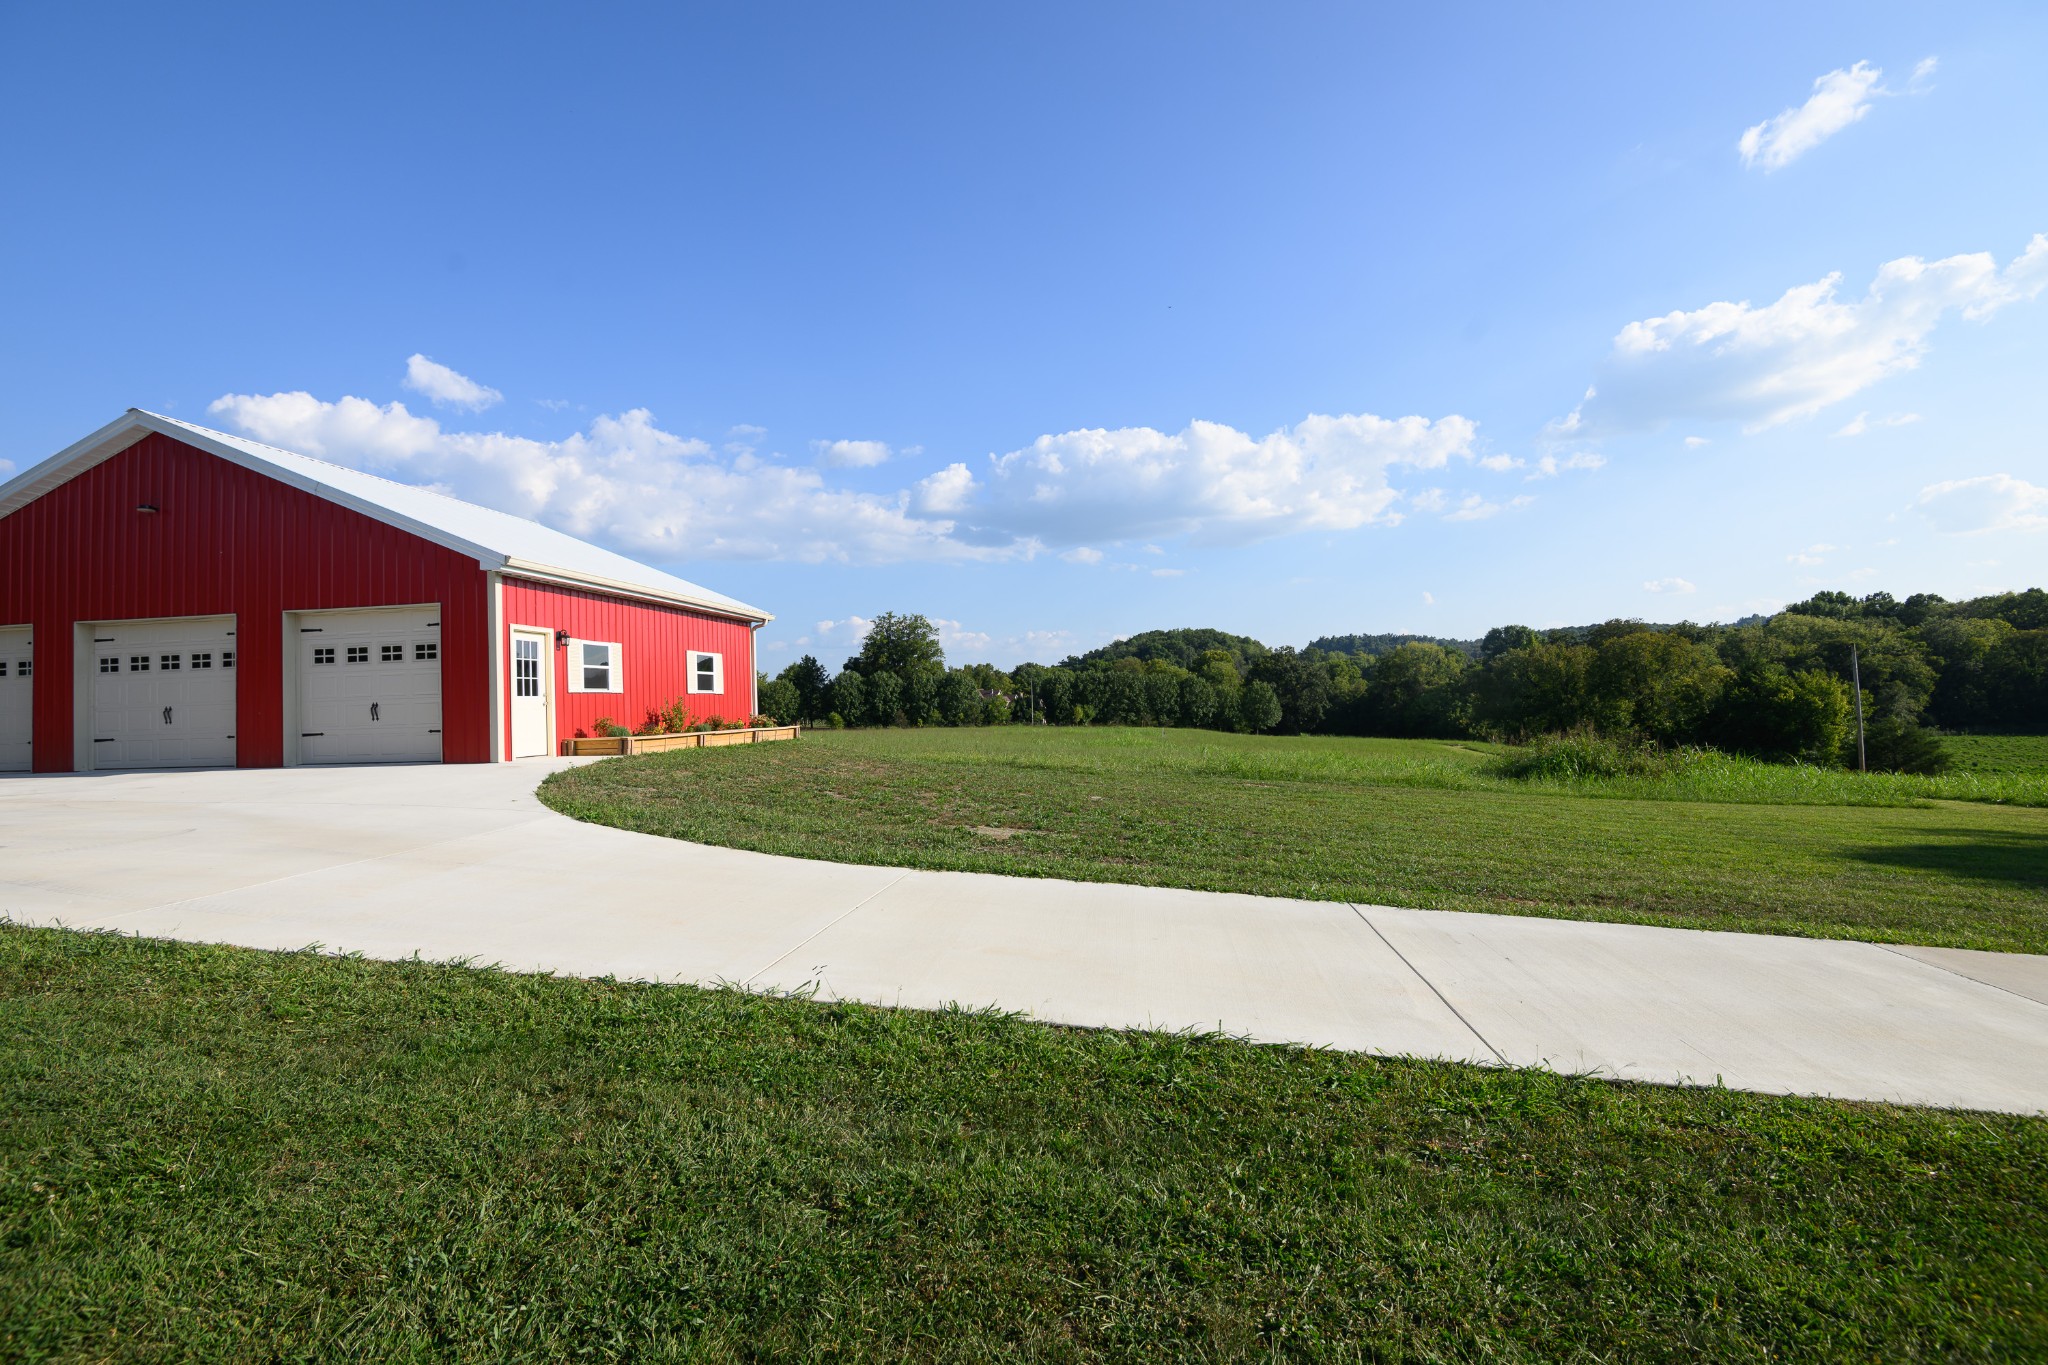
[[1377, 645]]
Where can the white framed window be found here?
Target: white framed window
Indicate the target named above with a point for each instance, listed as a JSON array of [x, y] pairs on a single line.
[[707, 672], [596, 666]]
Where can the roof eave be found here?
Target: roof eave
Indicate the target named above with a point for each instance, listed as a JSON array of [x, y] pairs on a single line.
[[549, 573]]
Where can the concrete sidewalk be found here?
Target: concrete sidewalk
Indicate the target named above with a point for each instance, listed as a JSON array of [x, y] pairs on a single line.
[[464, 862]]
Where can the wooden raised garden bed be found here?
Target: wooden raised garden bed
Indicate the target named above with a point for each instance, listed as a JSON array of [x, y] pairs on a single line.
[[611, 745]]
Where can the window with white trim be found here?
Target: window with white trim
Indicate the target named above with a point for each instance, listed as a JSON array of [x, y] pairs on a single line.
[[596, 666], [707, 672]]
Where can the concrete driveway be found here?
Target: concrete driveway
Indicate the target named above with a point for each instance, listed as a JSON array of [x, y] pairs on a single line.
[[451, 862]]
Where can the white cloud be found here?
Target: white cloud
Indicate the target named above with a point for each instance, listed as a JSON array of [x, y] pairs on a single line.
[[1672, 585], [658, 495], [1081, 554], [1861, 422], [1923, 71], [1991, 502], [1429, 599], [1791, 358], [624, 482], [1500, 464], [1169, 573], [1211, 482], [1695, 442], [1811, 555], [552, 404], [946, 491], [1839, 99], [850, 454], [1472, 508], [954, 636], [1550, 466], [1429, 500], [849, 632], [445, 388]]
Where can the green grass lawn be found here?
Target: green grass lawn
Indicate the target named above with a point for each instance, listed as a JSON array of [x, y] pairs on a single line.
[[216, 1154], [1394, 822]]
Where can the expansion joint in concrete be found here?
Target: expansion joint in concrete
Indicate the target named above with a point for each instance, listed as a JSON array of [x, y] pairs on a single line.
[[1431, 984]]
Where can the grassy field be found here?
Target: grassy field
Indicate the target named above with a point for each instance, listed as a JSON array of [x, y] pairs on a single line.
[[1998, 755], [215, 1154], [1393, 822]]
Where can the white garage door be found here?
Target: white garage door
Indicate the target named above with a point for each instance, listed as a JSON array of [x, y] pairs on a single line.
[[163, 694], [370, 686], [17, 686]]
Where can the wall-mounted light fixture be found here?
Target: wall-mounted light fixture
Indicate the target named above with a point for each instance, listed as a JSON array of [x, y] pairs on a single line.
[[561, 639], [145, 507]]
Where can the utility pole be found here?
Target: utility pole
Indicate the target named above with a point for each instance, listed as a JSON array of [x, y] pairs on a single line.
[[1856, 679]]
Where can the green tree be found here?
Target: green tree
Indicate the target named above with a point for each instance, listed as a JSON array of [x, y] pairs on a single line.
[[1301, 683], [1197, 700], [849, 697], [899, 644], [1501, 639], [1771, 713], [959, 700], [1542, 688], [885, 699], [809, 679], [1258, 708], [1417, 690], [1656, 682], [778, 698], [921, 683], [1162, 694]]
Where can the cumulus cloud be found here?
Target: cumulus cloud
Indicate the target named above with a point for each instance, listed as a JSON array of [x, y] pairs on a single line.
[[1991, 502], [1082, 554], [1671, 585], [1695, 442], [946, 491], [445, 388], [623, 482], [1811, 555], [626, 482], [1500, 464], [851, 454], [1839, 99], [1212, 483], [1791, 358]]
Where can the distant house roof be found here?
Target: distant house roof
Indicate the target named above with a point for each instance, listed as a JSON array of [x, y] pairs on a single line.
[[497, 540]]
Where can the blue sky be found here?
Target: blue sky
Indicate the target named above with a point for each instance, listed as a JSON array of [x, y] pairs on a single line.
[[1063, 324]]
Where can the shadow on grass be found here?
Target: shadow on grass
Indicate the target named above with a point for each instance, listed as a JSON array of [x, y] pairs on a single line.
[[1980, 854]]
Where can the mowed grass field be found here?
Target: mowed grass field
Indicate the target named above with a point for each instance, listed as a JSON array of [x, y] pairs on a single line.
[[1416, 823], [212, 1154]]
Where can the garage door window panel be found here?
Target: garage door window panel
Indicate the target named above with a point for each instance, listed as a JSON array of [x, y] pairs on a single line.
[[596, 666]]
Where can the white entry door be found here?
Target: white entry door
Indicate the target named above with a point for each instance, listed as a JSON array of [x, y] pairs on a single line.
[[370, 686], [533, 731], [163, 694], [17, 690]]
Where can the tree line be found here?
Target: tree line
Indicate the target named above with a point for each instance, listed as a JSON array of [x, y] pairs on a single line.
[[1776, 687]]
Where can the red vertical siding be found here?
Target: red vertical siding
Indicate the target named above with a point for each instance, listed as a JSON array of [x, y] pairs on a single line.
[[655, 642], [227, 541]]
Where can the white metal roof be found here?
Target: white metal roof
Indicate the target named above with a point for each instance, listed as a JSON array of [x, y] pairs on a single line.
[[497, 540]]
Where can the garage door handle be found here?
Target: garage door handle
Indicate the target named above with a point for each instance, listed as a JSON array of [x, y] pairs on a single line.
[[373, 712], [167, 715]]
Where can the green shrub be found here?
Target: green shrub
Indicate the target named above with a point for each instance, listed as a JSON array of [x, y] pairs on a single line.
[[1893, 745], [1582, 753]]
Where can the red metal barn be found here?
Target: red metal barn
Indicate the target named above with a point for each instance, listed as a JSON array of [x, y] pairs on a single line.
[[172, 596]]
